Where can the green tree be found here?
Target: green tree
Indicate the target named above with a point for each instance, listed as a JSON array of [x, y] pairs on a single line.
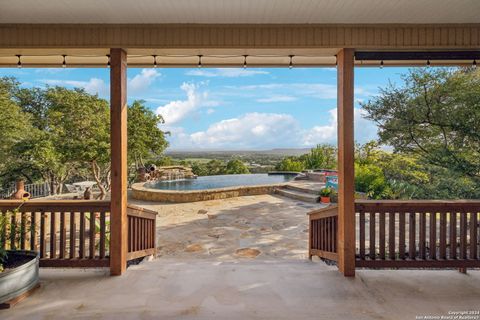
[[236, 166], [323, 156], [145, 139], [79, 127], [16, 127], [215, 167], [434, 115], [290, 164]]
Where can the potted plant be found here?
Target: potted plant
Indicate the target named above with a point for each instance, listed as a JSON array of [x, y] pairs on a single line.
[[18, 268], [325, 195]]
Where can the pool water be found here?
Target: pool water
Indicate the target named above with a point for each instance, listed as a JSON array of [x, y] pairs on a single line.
[[222, 181]]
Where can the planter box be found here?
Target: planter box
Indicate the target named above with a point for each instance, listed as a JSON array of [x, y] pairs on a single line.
[[18, 281]]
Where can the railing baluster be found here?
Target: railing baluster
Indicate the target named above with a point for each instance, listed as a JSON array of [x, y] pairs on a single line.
[[91, 241], [53, 235], [33, 231], [463, 235], [81, 254], [412, 250], [391, 235], [473, 235], [13, 226], [372, 241], [401, 235], [23, 230], [362, 234], [443, 235], [43, 241], [453, 235], [433, 235], [73, 235], [102, 234], [63, 236], [381, 236], [422, 235], [3, 240]]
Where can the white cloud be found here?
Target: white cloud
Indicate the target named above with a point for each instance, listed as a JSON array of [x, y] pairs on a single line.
[[143, 80], [277, 98], [137, 84], [365, 130], [175, 111], [225, 72], [268, 130], [251, 130]]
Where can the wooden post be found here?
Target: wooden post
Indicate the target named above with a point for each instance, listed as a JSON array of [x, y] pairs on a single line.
[[118, 140], [346, 183]]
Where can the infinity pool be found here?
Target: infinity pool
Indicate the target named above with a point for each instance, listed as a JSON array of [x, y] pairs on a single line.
[[222, 181]]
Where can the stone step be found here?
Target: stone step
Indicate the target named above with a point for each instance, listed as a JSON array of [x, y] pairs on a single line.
[[299, 188], [302, 196]]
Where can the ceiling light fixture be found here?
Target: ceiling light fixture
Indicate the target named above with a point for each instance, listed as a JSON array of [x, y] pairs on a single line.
[[474, 64], [154, 60], [19, 63], [428, 63], [381, 64], [64, 63], [108, 63], [200, 60], [245, 61], [290, 65]]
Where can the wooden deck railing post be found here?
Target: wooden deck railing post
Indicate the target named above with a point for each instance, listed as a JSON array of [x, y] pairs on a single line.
[[346, 196], [118, 139]]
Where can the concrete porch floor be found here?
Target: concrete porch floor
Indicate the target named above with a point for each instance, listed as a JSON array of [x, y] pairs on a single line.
[[248, 289], [200, 275]]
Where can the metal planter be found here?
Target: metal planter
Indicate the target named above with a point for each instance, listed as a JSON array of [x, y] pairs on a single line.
[[17, 281]]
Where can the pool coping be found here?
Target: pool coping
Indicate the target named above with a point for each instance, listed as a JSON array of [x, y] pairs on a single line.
[[140, 192]]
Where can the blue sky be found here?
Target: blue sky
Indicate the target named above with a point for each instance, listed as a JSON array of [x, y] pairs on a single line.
[[232, 109]]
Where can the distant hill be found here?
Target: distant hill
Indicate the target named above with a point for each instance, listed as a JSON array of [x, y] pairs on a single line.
[[207, 153]]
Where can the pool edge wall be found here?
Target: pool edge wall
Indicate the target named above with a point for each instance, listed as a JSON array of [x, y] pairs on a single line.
[[139, 192]]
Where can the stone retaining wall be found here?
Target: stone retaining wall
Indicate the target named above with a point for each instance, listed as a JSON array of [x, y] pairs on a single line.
[[140, 192]]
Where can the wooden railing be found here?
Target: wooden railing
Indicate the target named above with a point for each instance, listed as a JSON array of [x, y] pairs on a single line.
[[141, 232], [65, 233], [417, 234], [323, 233]]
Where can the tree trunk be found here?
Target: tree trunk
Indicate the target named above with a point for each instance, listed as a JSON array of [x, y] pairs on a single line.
[[97, 176]]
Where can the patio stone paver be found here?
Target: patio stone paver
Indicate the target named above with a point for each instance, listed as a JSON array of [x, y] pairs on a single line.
[[275, 226]]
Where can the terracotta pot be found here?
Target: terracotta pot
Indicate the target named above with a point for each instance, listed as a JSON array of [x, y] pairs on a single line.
[[21, 193], [325, 199]]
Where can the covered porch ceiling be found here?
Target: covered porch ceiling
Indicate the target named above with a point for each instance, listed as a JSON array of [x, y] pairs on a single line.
[[240, 11], [262, 33]]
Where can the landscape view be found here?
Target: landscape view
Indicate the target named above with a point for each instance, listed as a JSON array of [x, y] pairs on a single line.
[[415, 128]]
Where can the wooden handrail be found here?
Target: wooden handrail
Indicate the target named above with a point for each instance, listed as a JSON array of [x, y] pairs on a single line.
[[418, 233], [54, 205], [66, 233], [141, 232], [326, 212]]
